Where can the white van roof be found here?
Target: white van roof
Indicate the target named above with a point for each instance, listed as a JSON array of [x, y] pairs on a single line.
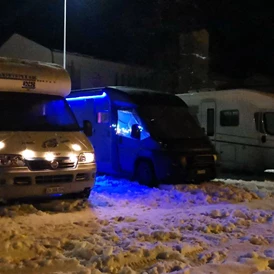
[[17, 75]]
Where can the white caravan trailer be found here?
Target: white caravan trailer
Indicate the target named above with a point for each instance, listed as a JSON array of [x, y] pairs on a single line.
[[240, 123], [42, 149]]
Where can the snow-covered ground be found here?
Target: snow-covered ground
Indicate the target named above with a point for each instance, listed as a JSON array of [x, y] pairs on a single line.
[[217, 227]]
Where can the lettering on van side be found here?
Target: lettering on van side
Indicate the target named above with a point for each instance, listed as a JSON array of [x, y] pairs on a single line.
[[29, 81], [22, 77], [28, 85]]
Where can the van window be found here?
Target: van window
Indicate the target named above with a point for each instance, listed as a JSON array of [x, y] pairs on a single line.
[[170, 122], [210, 122], [35, 112], [229, 118], [126, 119]]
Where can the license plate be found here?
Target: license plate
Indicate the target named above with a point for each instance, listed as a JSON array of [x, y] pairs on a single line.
[[200, 172], [54, 190]]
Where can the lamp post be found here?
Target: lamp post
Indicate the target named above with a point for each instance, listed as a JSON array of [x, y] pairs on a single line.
[[65, 33]]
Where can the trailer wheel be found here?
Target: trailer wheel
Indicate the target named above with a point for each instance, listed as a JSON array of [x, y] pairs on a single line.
[[145, 174]]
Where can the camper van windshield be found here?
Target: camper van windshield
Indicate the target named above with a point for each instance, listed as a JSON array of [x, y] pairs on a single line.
[[35, 112], [170, 122]]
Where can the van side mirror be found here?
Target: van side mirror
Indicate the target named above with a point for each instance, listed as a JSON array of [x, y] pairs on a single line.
[[263, 139], [135, 132], [87, 128]]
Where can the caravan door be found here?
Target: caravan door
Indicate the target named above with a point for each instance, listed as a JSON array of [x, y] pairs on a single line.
[[208, 119], [267, 141]]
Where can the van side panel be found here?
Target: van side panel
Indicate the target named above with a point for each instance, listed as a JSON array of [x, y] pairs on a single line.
[[98, 111]]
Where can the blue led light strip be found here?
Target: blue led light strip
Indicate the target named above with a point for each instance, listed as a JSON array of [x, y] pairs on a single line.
[[87, 97]]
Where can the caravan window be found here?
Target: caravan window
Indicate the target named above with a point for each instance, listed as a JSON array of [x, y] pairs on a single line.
[[269, 123], [229, 118]]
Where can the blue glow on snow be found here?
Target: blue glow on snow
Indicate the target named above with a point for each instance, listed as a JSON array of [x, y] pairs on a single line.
[[109, 191], [80, 98]]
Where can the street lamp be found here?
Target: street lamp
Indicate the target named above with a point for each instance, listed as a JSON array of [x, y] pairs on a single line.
[[65, 33]]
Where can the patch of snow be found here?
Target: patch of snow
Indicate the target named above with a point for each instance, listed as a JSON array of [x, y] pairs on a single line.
[[126, 228]]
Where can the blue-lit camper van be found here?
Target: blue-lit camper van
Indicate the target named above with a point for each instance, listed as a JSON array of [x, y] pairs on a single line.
[[145, 134]]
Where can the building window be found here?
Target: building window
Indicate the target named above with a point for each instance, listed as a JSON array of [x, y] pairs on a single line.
[[117, 79], [210, 122], [123, 80], [229, 118]]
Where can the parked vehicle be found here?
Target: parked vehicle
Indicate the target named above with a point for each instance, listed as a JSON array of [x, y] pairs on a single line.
[[42, 149], [240, 123], [145, 134]]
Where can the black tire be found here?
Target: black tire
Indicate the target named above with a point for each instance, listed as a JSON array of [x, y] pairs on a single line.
[[145, 174]]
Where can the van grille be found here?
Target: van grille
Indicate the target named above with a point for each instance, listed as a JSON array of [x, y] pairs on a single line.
[[54, 179], [64, 163]]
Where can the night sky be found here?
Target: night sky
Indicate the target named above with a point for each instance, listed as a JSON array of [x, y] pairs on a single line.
[[138, 32]]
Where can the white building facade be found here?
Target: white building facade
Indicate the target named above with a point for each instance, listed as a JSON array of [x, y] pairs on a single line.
[[85, 71]]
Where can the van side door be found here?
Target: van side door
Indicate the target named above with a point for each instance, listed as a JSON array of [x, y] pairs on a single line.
[[97, 111], [102, 137], [128, 147]]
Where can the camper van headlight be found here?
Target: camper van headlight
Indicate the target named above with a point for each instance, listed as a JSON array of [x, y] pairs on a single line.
[[86, 158], [10, 160]]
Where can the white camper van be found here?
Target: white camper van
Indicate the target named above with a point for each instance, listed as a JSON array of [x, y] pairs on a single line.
[[240, 123], [42, 149]]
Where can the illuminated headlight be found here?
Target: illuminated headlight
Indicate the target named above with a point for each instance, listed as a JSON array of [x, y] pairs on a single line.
[[9, 160], [28, 154], [86, 158], [76, 147], [49, 156], [2, 145]]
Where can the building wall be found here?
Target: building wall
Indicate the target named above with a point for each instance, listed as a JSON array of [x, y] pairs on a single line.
[[20, 47], [85, 71], [88, 72]]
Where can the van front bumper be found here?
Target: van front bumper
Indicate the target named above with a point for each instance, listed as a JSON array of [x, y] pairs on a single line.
[[180, 175], [16, 183]]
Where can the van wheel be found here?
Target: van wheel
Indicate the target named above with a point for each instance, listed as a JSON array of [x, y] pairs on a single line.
[[145, 174]]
